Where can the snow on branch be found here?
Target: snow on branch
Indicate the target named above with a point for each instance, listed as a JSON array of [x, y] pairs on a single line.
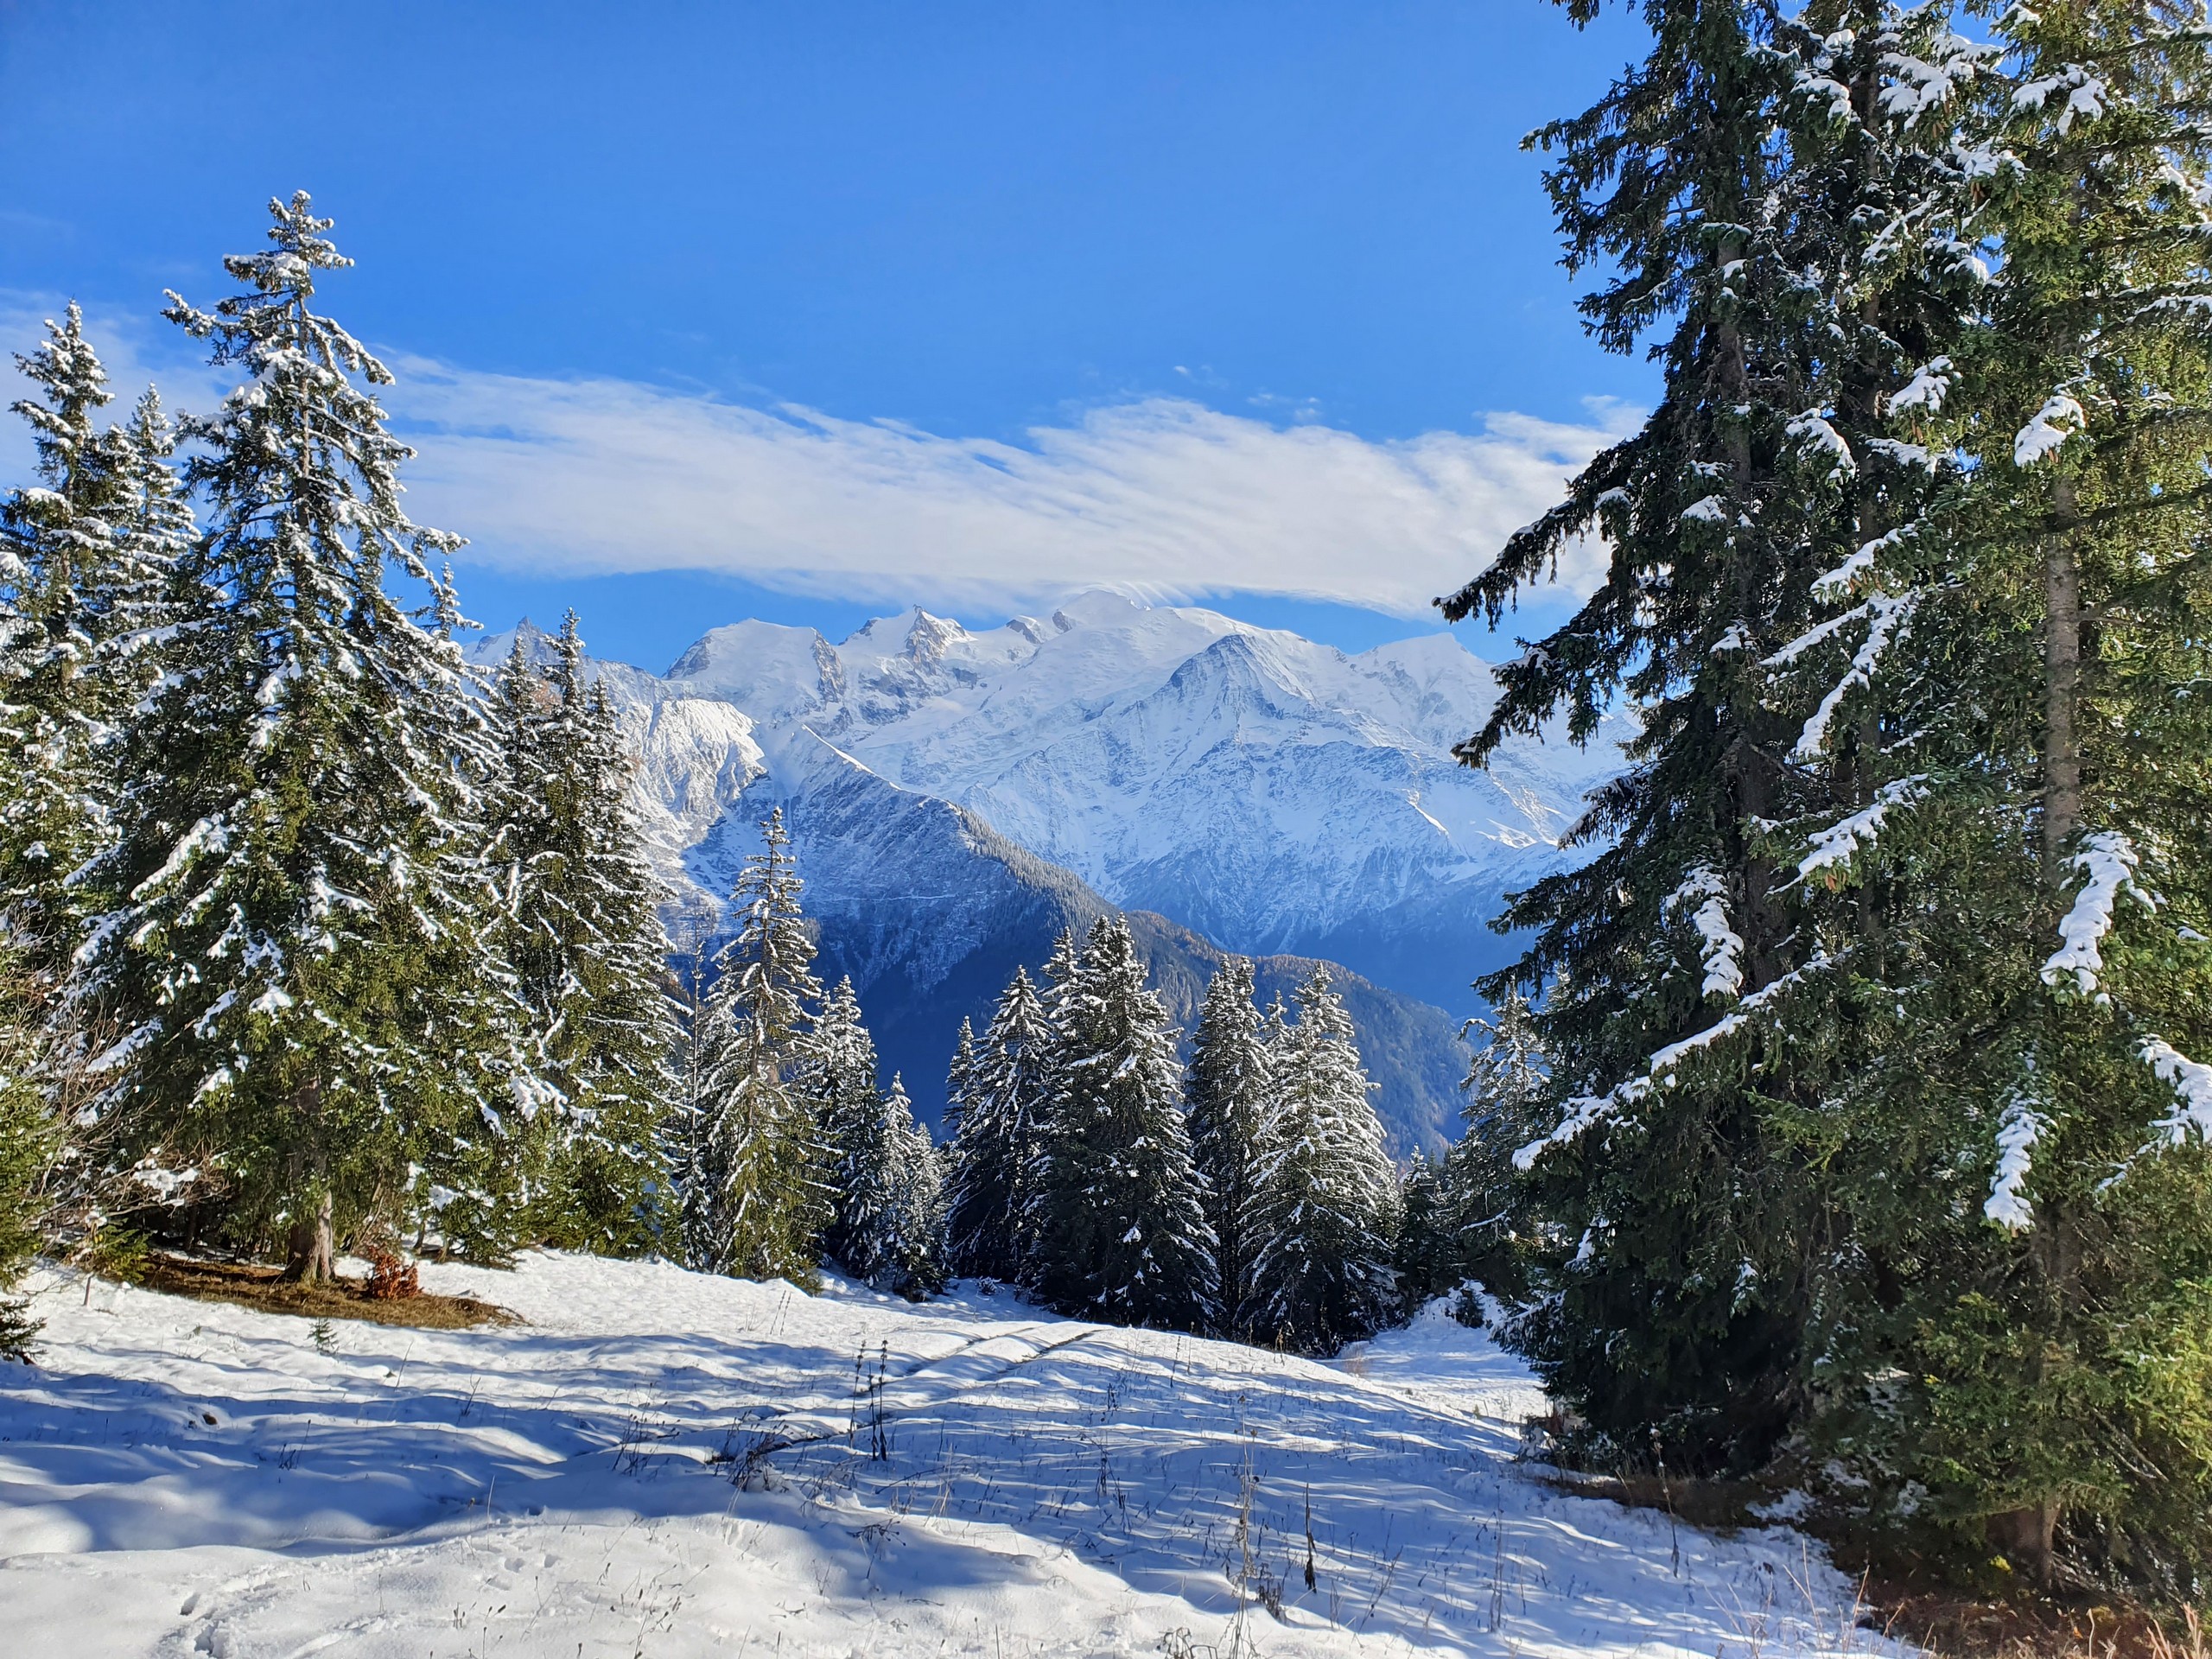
[[2191, 1083], [1920, 84], [2043, 435], [1841, 842], [1812, 431], [2017, 1132], [1885, 611], [1927, 387], [1723, 959], [2085, 91], [1586, 1112], [1835, 584], [2106, 860]]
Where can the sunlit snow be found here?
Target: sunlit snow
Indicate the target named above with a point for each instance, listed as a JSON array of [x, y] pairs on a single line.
[[668, 1464]]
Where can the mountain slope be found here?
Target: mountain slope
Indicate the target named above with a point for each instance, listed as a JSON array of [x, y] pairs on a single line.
[[930, 910], [926, 905], [1273, 794]]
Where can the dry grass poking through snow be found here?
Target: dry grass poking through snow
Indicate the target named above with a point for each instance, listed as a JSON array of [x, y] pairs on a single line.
[[1947, 1625], [663, 1464]]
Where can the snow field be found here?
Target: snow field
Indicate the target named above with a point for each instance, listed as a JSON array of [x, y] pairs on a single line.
[[661, 1463]]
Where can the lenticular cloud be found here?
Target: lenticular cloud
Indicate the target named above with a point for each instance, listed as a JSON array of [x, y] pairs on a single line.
[[1161, 495]]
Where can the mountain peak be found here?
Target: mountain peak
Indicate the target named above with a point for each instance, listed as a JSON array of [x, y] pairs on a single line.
[[766, 668]]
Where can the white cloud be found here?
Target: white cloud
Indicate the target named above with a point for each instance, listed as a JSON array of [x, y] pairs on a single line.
[[1163, 496]]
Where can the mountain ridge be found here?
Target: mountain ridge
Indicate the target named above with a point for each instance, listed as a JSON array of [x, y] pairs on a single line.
[[955, 797]]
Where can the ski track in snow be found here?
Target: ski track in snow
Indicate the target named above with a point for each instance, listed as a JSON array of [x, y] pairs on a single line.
[[664, 1464]]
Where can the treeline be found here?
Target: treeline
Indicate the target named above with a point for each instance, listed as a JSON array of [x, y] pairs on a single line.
[[317, 939], [1875, 1036], [1250, 1199]]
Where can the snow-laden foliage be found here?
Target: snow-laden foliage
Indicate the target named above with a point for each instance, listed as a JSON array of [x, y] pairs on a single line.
[[887, 1216], [87, 558], [2107, 862], [296, 941], [2017, 1131], [999, 1101], [1325, 1215], [756, 1194], [583, 935], [1231, 1092], [1907, 583], [1121, 1229], [1703, 897]]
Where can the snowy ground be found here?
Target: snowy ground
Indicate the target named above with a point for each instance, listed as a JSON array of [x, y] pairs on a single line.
[[661, 1463]]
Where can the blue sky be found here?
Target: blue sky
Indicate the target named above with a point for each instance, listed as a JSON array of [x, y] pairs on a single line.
[[810, 310]]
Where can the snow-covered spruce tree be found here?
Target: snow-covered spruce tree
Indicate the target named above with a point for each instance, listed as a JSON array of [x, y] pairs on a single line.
[[959, 1075], [1763, 191], [1228, 1091], [1326, 1208], [1483, 1196], [2010, 1347], [86, 555], [911, 1253], [584, 937], [887, 1215], [1061, 971], [756, 1193], [1427, 1257], [1122, 1226], [843, 1086], [996, 1141], [298, 952]]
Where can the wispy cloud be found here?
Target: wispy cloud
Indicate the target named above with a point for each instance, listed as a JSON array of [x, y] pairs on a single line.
[[1163, 495]]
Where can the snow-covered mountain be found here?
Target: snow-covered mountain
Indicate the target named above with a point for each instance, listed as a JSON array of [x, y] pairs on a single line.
[[956, 799], [1273, 794]]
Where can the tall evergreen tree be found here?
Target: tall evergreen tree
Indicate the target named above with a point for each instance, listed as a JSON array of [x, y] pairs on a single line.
[[912, 1251], [584, 936], [1762, 189], [1484, 1198], [1122, 1232], [298, 949], [1428, 1258], [843, 1085], [1229, 1092], [997, 1137], [959, 1075], [757, 1195], [1326, 1215], [2008, 1338], [86, 557], [29, 1138]]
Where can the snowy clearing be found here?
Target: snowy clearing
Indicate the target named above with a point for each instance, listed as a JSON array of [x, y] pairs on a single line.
[[664, 1464]]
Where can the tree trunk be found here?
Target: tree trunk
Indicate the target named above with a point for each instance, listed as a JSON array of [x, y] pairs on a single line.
[[309, 1251], [312, 1255], [2062, 743], [2028, 1535]]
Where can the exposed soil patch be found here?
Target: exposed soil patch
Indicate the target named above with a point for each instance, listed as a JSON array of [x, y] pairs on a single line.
[[267, 1289]]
